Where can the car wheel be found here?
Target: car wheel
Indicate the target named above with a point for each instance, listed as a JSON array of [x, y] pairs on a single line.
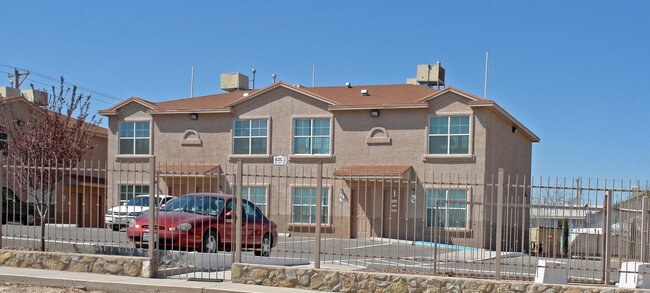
[[265, 250], [210, 242], [28, 219], [115, 227]]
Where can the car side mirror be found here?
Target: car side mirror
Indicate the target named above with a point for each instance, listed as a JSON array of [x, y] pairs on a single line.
[[229, 215]]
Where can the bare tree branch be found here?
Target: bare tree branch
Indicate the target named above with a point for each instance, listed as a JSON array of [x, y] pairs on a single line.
[[46, 141]]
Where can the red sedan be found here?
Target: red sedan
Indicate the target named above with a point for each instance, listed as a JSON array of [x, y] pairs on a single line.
[[204, 221]]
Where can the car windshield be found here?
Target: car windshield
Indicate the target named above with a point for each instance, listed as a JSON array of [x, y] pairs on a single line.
[[139, 201], [197, 204]]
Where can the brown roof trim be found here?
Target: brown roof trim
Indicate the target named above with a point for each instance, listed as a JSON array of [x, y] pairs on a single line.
[[188, 111], [95, 129], [451, 89], [373, 171], [379, 107], [519, 125], [337, 101], [173, 169], [16, 98], [283, 84], [113, 110]]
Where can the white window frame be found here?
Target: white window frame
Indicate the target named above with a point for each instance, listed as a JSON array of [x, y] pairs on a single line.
[[429, 206], [133, 193], [327, 206], [311, 136], [250, 136], [134, 138], [246, 195], [448, 135]]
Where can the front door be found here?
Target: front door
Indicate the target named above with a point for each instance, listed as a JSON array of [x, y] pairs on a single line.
[[362, 213], [390, 219]]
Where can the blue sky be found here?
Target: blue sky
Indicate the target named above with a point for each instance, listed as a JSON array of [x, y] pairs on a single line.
[[574, 72]]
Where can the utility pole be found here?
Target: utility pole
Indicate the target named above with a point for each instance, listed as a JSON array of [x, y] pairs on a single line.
[[17, 76]]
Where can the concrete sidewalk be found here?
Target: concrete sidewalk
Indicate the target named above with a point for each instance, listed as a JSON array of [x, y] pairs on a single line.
[[112, 283]]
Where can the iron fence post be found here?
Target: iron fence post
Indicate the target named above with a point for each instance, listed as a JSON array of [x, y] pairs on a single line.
[[607, 236], [497, 265], [153, 227], [238, 209], [319, 205], [644, 232], [436, 238]]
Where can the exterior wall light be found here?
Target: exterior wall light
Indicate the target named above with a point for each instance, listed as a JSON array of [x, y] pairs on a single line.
[[341, 195], [194, 116], [374, 113]]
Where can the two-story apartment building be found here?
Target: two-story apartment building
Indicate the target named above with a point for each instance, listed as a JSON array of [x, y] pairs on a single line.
[[384, 132], [80, 197]]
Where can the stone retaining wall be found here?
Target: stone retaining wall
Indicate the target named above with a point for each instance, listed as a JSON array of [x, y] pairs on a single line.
[[355, 281], [100, 264]]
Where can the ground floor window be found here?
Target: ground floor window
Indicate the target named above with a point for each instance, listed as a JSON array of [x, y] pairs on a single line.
[[256, 195], [128, 192], [304, 205], [446, 214]]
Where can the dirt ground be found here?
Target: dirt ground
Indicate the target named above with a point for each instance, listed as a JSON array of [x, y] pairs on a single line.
[[7, 287]]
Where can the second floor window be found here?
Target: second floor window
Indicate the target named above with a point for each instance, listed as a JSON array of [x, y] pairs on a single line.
[[250, 137], [135, 138], [449, 135], [311, 136]]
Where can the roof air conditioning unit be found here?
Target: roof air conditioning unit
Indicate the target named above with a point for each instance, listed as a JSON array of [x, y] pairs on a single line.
[[431, 75], [233, 82], [9, 92], [35, 96]]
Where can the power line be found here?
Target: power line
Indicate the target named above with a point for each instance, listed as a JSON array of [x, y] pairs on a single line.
[[93, 93], [17, 83], [47, 85], [91, 97]]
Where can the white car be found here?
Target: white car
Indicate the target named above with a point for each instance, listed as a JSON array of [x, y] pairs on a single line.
[[119, 216]]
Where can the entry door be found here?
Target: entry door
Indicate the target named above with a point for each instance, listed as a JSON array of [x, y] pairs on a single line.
[[390, 218], [363, 204]]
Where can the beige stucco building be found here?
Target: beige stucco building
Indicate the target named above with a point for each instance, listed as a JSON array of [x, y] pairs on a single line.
[[408, 132], [80, 196]]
